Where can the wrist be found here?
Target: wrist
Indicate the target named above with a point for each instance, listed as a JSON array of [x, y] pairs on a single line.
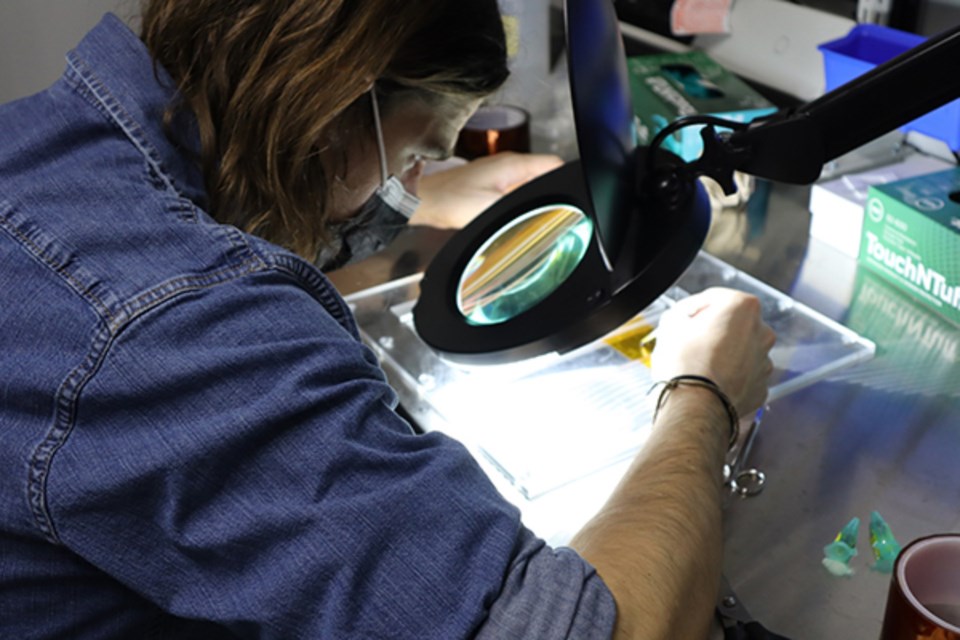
[[704, 387]]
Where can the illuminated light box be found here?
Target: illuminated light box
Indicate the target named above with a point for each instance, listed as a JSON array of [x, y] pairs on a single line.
[[548, 421]]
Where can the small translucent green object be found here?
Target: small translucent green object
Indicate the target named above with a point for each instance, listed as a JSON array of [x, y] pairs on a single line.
[[837, 554], [885, 545]]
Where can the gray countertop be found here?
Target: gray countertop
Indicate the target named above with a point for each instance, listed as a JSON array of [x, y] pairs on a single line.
[[883, 436]]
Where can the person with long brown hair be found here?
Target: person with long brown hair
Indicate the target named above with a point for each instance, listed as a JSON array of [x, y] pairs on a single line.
[[194, 441], [282, 94]]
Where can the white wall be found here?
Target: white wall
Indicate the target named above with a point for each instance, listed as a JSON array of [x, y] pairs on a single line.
[[36, 34]]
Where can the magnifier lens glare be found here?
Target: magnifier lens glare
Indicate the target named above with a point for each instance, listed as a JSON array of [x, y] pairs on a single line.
[[523, 263]]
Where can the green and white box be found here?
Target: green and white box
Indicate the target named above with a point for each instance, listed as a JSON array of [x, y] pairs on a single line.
[[911, 237]]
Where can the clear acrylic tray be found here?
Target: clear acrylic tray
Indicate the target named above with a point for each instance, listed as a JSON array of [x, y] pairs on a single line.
[[550, 420]]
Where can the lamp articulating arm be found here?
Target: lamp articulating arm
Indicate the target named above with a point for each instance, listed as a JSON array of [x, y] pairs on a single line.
[[793, 145]]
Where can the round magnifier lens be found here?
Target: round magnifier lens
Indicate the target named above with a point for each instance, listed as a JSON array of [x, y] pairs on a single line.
[[523, 263]]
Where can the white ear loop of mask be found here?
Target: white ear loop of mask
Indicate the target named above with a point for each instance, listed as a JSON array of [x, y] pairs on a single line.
[[381, 147], [391, 190], [379, 220]]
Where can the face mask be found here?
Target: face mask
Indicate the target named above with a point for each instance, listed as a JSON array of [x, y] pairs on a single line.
[[379, 220]]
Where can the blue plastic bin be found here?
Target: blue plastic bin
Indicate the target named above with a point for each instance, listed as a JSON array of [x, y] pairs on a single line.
[[868, 45]]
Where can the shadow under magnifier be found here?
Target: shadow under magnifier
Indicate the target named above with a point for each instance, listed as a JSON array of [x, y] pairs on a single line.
[[523, 263]]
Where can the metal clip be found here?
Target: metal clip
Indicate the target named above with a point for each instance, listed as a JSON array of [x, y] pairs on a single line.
[[745, 483]]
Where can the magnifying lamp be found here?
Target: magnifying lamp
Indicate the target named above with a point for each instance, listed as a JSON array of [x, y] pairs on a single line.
[[574, 254]]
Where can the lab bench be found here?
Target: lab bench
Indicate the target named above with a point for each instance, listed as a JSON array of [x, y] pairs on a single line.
[[883, 435]]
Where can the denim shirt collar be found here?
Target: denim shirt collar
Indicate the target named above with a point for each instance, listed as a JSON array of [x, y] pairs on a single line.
[[120, 75]]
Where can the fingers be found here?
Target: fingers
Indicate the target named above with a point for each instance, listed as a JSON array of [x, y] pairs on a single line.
[[720, 334], [690, 307], [769, 337], [717, 298]]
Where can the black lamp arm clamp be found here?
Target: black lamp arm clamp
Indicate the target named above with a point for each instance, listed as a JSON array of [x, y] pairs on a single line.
[[670, 180]]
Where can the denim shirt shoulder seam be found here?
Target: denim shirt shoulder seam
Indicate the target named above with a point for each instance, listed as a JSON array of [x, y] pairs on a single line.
[[174, 287], [68, 394], [320, 288], [105, 100]]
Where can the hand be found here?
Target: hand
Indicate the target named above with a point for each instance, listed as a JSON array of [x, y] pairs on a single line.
[[454, 197], [718, 334]]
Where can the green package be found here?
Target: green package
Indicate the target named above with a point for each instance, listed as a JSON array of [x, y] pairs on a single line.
[[911, 238]]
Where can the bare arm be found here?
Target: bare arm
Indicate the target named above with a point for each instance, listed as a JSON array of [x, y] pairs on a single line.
[[657, 542], [454, 197]]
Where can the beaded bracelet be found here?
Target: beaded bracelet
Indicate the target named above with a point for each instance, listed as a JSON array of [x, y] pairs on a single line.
[[703, 383]]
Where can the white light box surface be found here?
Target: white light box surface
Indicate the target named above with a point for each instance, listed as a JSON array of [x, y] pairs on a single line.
[[546, 422]]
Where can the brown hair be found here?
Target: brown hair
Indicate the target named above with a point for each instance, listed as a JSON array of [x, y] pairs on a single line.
[[274, 84]]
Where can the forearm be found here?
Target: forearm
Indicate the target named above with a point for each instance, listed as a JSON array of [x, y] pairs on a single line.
[[657, 541]]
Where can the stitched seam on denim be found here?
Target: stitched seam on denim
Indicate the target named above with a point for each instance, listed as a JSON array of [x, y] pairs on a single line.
[[66, 402], [80, 87], [38, 253], [183, 284], [184, 208], [69, 391], [126, 122], [68, 395], [321, 289], [239, 240]]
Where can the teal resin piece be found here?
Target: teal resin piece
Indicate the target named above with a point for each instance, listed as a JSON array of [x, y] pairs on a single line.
[[885, 545], [837, 554]]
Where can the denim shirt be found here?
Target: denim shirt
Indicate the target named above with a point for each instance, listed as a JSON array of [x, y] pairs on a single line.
[[194, 442]]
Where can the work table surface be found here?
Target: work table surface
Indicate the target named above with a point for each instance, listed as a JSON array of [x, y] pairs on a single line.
[[883, 436]]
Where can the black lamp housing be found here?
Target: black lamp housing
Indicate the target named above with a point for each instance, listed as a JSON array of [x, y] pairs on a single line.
[[649, 213]]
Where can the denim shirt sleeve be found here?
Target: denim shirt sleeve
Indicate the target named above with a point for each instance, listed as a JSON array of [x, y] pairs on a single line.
[[551, 594], [236, 458]]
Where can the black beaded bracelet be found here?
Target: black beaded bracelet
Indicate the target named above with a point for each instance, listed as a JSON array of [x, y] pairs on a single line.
[[704, 383]]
